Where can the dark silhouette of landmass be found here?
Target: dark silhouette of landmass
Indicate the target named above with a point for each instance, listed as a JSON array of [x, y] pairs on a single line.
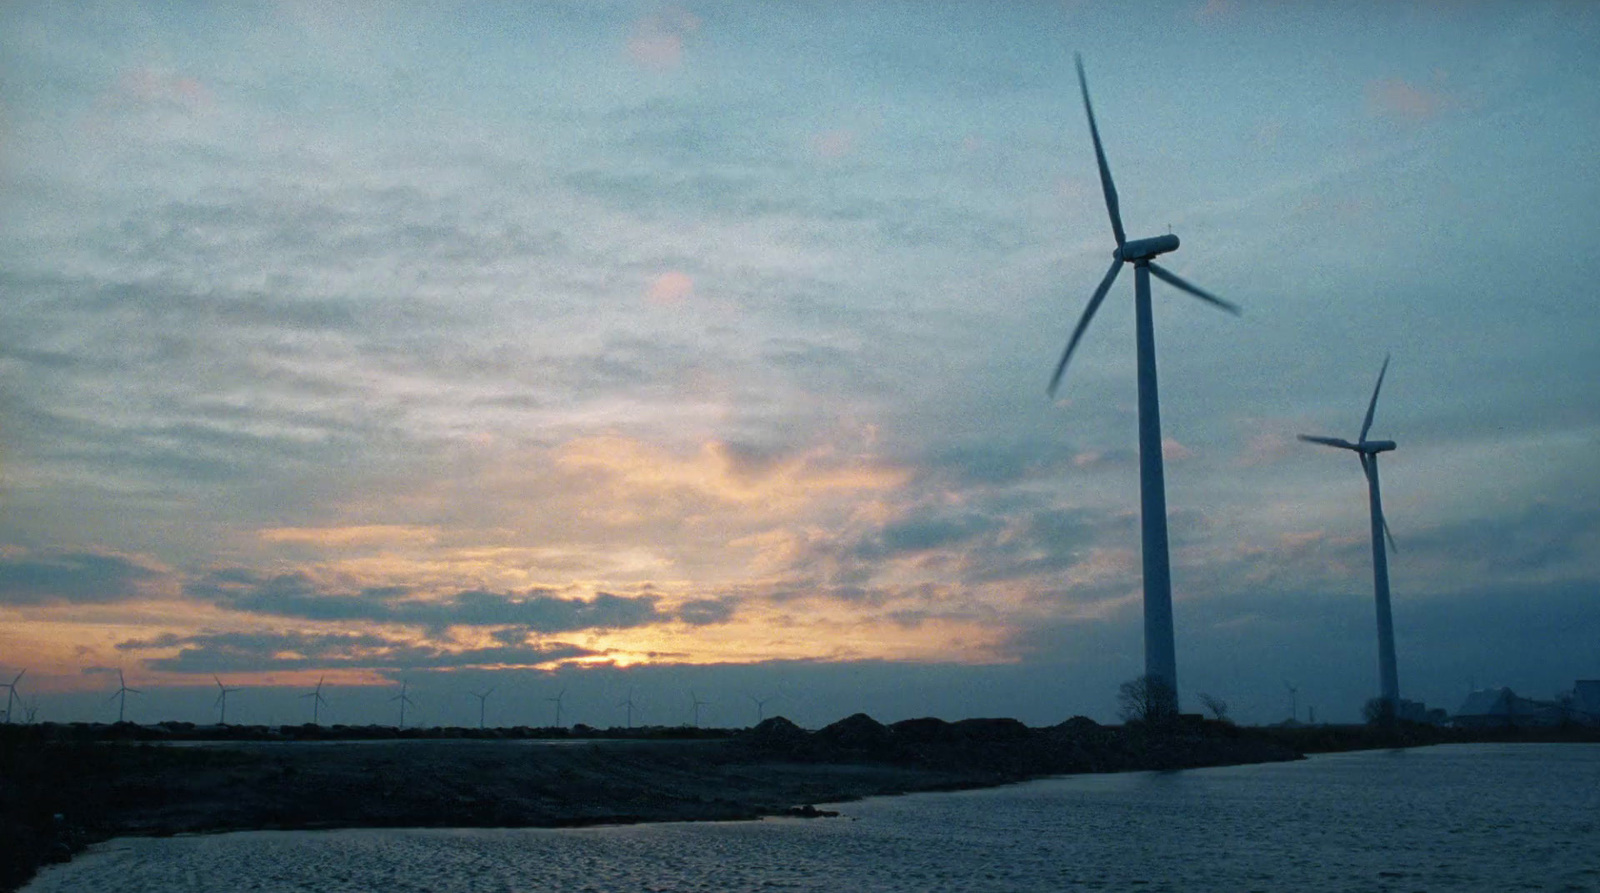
[[106, 781]]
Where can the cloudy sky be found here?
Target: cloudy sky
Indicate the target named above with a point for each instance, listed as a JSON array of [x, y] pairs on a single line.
[[631, 347]]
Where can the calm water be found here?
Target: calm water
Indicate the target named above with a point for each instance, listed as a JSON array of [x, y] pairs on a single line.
[[1466, 817]]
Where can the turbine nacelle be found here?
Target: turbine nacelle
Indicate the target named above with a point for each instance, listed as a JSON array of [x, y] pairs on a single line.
[[1144, 249], [1376, 446]]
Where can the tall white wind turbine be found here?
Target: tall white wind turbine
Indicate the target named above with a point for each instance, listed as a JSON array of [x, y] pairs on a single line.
[[483, 700], [1367, 451], [121, 696], [11, 693], [1160, 658], [317, 700], [222, 700], [557, 701], [404, 699], [628, 703]]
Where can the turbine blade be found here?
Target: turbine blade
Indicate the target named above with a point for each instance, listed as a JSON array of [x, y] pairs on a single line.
[[1106, 185], [134, 691], [113, 697], [1372, 406], [1083, 323], [1339, 442], [1171, 279], [1387, 533]]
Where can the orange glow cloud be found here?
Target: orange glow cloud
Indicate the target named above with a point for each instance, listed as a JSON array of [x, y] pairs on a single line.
[[671, 288], [355, 535], [1173, 451], [635, 471], [657, 41], [1398, 98], [833, 143], [148, 86]]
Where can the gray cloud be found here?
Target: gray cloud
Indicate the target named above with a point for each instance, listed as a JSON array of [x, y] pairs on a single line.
[[297, 595], [707, 611], [80, 577], [240, 652]]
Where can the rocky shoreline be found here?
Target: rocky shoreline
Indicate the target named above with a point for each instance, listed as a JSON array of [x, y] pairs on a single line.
[[103, 789]]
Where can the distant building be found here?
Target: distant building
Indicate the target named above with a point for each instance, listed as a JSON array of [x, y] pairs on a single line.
[[1492, 707], [1583, 703]]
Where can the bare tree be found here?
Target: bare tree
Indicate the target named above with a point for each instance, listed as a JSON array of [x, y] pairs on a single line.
[[1146, 699], [1379, 712], [1217, 706]]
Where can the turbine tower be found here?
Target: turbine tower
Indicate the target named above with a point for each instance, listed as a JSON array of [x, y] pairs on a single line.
[[11, 693], [483, 700], [557, 701], [404, 699], [317, 700], [628, 703], [761, 706], [1160, 658], [697, 705], [1367, 451], [121, 697], [222, 701]]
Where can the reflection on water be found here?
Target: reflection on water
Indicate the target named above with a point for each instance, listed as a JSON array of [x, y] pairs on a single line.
[[1464, 817]]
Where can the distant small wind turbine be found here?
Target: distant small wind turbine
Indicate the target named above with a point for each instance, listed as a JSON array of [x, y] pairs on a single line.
[[1294, 699], [1367, 451], [11, 693], [697, 705], [483, 699], [222, 701], [404, 699], [1160, 658], [317, 700], [628, 703], [761, 706], [557, 701], [121, 697]]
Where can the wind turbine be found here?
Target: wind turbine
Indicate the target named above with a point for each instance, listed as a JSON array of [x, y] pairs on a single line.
[[404, 699], [483, 700], [1160, 659], [222, 701], [121, 697], [761, 706], [697, 705], [317, 700], [1294, 699], [1367, 451], [557, 701], [11, 693], [628, 703]]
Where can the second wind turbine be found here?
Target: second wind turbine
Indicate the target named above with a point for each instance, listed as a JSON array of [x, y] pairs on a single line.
[[1367, 451], [1160, 658]]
